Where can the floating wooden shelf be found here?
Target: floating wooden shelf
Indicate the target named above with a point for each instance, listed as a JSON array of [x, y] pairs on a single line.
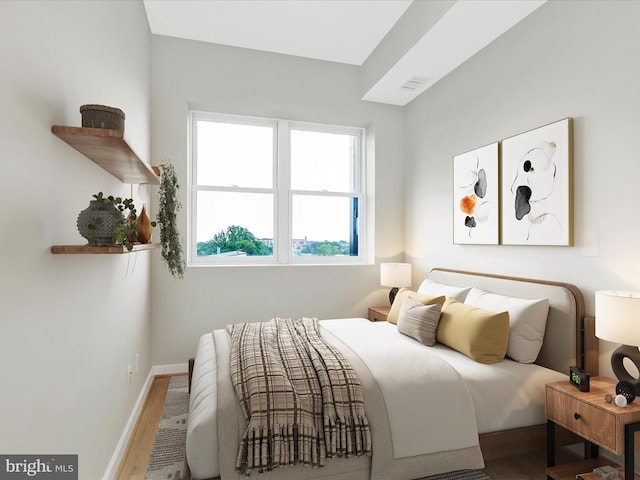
[[91, 250], [110, 150]]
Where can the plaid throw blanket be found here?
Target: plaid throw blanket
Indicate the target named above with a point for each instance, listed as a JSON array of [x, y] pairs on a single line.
[[301, 398]]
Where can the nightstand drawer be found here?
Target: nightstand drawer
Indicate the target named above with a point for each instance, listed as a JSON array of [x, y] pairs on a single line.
[[588, 421]]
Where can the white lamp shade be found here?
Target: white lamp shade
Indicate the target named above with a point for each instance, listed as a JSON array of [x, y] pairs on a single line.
[[395, 274], [618, 317]]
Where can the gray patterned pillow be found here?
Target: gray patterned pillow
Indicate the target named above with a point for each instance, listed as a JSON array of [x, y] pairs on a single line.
[[419, 321]]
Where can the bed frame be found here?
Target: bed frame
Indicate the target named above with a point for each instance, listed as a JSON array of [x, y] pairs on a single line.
[[566, 320]]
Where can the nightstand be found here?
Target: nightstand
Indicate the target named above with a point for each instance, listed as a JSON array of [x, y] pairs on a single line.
[[378, 314], [599, 423]]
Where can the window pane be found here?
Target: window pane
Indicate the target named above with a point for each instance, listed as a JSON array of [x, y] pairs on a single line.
[[253, 199], [230, 154], [322, 161], [237, 223], [323, 226]]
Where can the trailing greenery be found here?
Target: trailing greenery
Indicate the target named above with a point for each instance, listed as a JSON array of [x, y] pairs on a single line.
[[167, 218], [125, 232]]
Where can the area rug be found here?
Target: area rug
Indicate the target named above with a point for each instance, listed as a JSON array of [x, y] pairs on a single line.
[[459, 475], [167, 460]]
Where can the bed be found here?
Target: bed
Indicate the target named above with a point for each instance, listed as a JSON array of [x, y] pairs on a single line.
[[478, 411]]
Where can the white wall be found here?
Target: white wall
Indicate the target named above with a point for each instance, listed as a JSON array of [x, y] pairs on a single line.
[[69, 324], [568, 59], [188, 74]]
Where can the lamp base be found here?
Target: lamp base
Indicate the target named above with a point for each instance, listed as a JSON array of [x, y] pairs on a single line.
[[392, 295], [617, 365]]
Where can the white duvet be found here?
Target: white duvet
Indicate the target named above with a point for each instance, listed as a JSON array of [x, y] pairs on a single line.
[[429, 406], [426, 389]]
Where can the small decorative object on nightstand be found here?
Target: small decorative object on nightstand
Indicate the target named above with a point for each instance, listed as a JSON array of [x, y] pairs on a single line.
[[378, 314], [600, 473], [579, 378], [599, 423], [627, 390]]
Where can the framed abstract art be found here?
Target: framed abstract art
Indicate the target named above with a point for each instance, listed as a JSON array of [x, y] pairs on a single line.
[[536, 186], [475, 196]]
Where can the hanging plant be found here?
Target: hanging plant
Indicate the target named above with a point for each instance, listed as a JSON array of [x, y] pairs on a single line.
[[167, 218]]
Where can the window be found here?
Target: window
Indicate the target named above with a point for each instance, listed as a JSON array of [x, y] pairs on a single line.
[[275, 192]]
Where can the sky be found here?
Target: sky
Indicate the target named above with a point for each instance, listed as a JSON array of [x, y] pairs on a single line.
[[240, 158]]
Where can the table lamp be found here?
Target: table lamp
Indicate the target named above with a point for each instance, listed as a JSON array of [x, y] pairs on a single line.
[[618, 320], [395, 275]]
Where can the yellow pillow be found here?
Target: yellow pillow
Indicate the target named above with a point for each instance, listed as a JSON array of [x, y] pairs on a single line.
[[479, 334], [419, 297]]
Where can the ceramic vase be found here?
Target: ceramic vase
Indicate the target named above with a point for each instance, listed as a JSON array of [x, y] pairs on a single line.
[[97, 222], [144, 227]]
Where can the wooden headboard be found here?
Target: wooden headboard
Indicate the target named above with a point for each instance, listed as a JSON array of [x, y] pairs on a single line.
[[569, 337]]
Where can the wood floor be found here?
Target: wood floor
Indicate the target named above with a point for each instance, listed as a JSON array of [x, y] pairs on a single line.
[[134, 464], [523, 467]]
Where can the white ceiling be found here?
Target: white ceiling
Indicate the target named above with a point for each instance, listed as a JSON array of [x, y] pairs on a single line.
[[344, 31]]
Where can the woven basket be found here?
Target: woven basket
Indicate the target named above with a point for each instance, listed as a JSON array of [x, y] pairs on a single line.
[[101, 116]]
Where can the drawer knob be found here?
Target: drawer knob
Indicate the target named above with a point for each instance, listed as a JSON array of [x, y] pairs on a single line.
[[576, 415]]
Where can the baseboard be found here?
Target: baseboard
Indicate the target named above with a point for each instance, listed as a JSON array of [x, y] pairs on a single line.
[[170, 369], [121, 447]]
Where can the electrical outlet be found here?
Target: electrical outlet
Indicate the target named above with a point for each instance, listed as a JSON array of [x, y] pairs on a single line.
[[137, 363], [129, 375]]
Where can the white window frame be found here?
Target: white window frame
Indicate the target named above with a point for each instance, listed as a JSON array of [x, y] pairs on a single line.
[[283, 194]]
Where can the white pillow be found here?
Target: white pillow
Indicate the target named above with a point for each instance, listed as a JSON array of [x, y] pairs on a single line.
[[429, 287], [527, 321]]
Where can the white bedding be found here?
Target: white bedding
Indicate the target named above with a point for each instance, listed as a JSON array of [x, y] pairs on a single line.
[[505, 395], [412, 376], [491, 397]]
